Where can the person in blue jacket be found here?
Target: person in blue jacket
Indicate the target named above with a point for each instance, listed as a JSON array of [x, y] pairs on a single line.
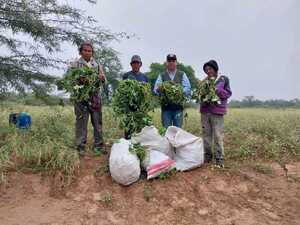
[[135, 73]]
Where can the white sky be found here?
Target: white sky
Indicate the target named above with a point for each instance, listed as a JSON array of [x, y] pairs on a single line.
[[255, 42]]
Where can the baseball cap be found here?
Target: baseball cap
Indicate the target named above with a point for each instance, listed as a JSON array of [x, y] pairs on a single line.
[[171, 57], [136, 58]]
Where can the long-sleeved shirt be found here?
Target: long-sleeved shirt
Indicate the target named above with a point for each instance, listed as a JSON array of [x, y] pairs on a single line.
[[224, 92], [185, 83]]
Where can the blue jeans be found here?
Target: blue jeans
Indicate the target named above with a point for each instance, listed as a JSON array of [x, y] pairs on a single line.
[[172, 118]]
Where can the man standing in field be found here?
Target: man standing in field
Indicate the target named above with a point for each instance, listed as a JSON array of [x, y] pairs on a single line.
[[91, 107], [172, 115], [212, 115], [135, 74]]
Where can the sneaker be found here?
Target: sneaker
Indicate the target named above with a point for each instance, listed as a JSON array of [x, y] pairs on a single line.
[[219, 165]]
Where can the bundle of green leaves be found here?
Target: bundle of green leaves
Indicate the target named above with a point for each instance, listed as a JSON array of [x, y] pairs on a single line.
[[138, 150], [131, 103], [80, 83], [205, 91], [171, 93]]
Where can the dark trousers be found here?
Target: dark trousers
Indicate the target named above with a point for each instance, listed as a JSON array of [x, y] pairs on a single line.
[[82, 113]]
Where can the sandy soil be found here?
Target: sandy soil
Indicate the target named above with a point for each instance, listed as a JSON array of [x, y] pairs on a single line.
[[204, 196]]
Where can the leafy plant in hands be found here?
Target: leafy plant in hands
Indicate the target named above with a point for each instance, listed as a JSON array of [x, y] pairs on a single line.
[[80, 83], [131, 103], [205, 92], [171, 93]]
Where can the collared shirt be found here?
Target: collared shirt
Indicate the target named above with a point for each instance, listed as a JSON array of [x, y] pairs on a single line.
[[82, 63], [185, 83], [135, 76]]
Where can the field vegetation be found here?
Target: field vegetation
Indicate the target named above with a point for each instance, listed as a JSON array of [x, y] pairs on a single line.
[[251, 135]]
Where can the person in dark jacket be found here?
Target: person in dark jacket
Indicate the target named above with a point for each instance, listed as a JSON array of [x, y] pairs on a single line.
[[92, 107], [135, 74], [212, 115]]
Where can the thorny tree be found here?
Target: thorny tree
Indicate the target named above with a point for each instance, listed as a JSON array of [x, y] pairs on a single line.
[[33, 31]]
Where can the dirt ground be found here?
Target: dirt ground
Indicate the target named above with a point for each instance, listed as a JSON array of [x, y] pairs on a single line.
[[205, 196]]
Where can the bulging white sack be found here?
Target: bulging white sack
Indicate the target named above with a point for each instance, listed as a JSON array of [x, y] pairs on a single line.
[[124, 166], [150, 138], [189, 151]]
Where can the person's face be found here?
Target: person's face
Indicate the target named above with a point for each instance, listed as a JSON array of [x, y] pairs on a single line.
[[171, 65], [86, 52], [136, 66], [210, 71]]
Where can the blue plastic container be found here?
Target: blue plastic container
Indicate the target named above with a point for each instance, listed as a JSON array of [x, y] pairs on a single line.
[[23, 121]]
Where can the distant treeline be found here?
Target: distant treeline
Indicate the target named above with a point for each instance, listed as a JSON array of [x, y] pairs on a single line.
[[250, 101], [246, 102], [33, 99]]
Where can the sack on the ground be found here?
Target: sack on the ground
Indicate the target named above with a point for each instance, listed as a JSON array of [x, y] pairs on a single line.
[[156, 163], [150, 138], [159, 152], [189, 152], [124, 166]]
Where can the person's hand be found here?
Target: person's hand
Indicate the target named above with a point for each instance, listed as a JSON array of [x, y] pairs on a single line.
[[102, 77]]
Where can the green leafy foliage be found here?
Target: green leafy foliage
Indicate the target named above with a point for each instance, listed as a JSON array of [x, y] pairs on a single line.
[[206, 91], [159, 68], [138, 150], [80, 83], [168, 174], [162, 131], [171, 93], [131, 103]]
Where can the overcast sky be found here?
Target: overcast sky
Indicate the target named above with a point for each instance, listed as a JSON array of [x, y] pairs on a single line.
[[256, 43]]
